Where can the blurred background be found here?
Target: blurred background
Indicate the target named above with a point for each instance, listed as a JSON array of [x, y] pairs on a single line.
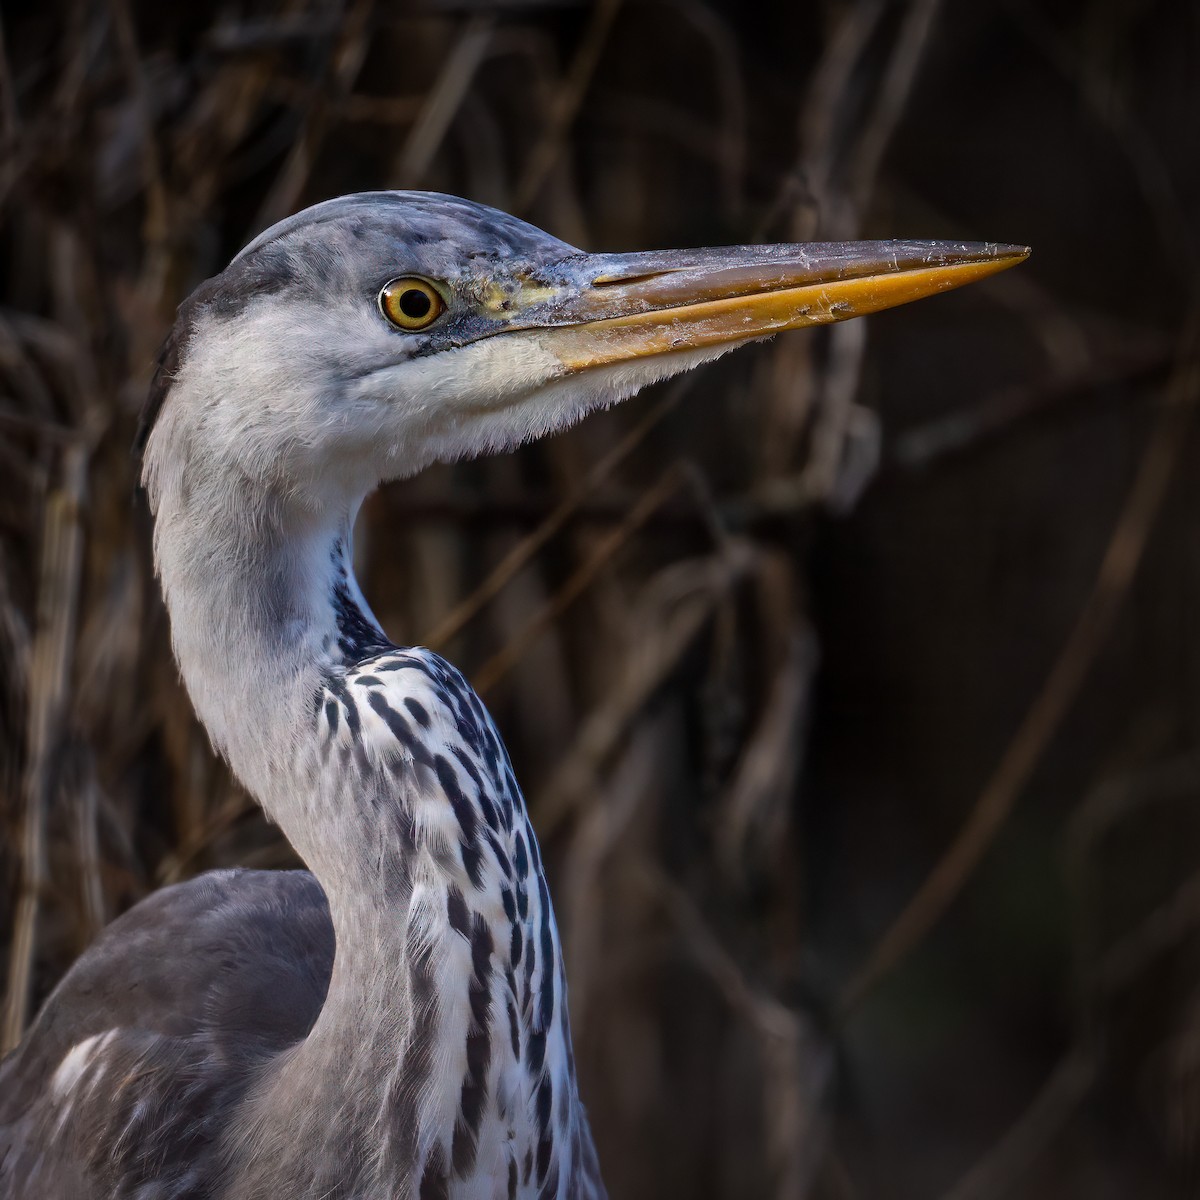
[[854, 682]]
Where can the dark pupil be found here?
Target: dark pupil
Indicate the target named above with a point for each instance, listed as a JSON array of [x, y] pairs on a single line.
[[415, 304]]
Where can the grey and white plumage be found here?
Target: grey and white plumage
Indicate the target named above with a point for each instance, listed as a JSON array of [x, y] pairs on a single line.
[[393, 1024]]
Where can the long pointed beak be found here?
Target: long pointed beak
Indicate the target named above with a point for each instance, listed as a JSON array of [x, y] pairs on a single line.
[[632, 306]]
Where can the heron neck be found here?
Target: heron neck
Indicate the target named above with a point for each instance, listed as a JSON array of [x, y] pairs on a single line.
[[263, 605], [443, 1045]]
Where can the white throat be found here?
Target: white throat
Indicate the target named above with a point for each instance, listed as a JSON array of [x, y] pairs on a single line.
[[263, 605]]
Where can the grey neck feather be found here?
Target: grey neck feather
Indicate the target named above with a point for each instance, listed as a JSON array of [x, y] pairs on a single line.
[[265, 616], [264, 607], [430, 995], [249, 581], [265, 610]]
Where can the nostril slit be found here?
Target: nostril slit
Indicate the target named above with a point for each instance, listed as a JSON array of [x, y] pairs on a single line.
[[645, 277]]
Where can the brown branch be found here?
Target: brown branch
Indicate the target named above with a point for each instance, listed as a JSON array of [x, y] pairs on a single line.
[[49, 683], [157, 222], [1058, 693], [199, 836], [695, 588], [526, 549], [90, 864], [998, 1174], [1166, 927], [511, 653], [566, 102], [890, 102], [797, 1068], [347, 59], [10, 118], [1007, 407], [444, 100]]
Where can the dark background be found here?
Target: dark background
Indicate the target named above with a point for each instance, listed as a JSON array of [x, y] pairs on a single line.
[[854, 682]]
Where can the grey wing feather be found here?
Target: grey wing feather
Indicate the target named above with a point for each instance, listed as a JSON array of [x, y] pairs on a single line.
[[136, 1064]]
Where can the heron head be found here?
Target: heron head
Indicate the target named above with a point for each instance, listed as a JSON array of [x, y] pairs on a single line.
[[368, 336]]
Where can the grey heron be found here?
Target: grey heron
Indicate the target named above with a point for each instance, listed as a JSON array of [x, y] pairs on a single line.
[[392, 1022]]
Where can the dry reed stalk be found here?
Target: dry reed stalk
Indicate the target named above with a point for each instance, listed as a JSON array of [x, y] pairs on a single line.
[[1061, 686], [49, 686]]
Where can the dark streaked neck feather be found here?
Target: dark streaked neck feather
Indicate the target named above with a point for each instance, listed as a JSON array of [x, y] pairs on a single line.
[[358, 633]]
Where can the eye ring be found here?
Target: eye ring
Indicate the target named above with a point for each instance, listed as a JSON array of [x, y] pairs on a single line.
[[411, 303]]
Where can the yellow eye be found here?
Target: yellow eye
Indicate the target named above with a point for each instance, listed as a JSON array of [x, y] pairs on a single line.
[[411, 303]]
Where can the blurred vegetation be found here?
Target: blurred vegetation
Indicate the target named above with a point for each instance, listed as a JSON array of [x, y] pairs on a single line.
[[854, 682]]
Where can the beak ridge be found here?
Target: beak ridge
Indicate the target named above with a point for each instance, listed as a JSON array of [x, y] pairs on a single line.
[[629, 306]]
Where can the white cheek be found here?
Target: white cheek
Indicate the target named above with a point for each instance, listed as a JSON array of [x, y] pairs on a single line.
[[603, 386], [500, 392], [563, 399], [482, 376]]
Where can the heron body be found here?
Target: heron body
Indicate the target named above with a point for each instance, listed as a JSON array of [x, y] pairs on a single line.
[[393, 1024]]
